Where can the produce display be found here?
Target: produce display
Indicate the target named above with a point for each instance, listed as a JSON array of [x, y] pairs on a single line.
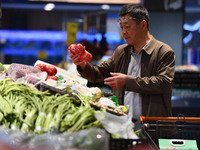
[[34, 106], [37, 111], [26, 109], [66, 85], [94, 95]]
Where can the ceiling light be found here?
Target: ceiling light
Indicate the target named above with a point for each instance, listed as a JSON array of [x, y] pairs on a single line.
[[49, 6], [105, 7]]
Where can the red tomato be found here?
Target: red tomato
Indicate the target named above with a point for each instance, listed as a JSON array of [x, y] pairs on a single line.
[[53, 77], [80, 59], [72, 48], [47, 76], [87, 56], [51, 70], [41, 67], [80, 50]]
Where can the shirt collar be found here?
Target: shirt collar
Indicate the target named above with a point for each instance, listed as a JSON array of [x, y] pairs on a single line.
[[132, 52], [142, 48], [147, 43], [149, 47]]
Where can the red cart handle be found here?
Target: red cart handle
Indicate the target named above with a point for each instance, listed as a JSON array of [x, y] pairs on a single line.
[[143, 118]]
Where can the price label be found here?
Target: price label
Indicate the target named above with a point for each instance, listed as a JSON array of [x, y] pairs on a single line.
[[42, 55], [72, 29]]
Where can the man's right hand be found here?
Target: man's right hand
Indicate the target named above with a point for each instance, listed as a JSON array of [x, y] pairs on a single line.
[[76, 59]]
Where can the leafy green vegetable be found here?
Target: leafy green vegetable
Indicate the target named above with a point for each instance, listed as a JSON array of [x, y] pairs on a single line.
[[2, 68], [114, 98], [34, 111]]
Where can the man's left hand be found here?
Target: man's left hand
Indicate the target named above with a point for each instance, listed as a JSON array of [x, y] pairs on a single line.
[[117, 80]]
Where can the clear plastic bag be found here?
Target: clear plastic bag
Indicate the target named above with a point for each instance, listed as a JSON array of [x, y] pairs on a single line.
[[117, 125], [26, 74], [88, 139]]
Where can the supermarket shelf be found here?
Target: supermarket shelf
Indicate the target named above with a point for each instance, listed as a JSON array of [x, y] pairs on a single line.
[[185, 102]]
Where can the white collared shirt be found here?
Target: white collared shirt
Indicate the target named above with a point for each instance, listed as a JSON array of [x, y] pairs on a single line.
[[133, 99]]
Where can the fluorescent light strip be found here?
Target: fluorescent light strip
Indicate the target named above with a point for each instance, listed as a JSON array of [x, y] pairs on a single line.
[[94, 1]]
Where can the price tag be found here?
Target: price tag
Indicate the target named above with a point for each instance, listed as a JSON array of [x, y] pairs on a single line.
[[72, 29], [42, 55]]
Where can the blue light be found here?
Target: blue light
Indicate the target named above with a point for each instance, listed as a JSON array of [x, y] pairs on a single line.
[[193, 27], [18, 35], [33, 52], [89, 37], [18, 52], [187, 38], [54, 36], [113, 37]]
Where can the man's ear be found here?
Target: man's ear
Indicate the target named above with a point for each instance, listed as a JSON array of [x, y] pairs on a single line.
[[144, 23]]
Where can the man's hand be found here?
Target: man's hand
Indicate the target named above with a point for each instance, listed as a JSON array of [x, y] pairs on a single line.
[[76, 59], [117, 80]]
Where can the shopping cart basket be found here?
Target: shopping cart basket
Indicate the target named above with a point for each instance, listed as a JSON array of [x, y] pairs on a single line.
[[185, 128], [130, 144]]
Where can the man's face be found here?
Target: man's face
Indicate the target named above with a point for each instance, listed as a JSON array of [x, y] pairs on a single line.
[[130, 29]]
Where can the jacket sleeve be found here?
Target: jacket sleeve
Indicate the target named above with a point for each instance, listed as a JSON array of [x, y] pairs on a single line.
[[159, 77], [97, 73], [100, 72]]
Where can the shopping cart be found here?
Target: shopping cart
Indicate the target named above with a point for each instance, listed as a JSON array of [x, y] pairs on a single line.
[[174, 128]]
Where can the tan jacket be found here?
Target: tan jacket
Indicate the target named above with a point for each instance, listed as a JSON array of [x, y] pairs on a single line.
[[155, 83]]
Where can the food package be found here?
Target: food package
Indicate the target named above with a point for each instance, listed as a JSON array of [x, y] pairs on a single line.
[[26, 74], [65, 74]]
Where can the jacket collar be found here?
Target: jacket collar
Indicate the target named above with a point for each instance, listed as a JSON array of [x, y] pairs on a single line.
[[149, 48]]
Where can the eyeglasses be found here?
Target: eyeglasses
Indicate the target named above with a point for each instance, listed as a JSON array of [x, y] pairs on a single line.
[[126, 19]]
